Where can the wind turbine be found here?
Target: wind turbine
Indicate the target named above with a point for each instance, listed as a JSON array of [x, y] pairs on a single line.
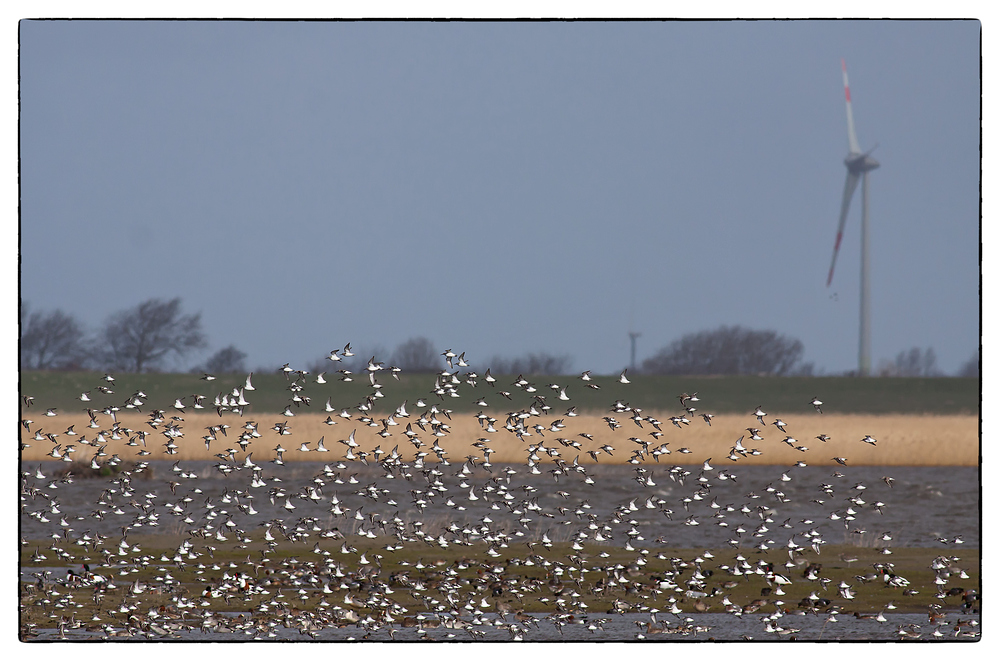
[[858, 166], [632, 335]]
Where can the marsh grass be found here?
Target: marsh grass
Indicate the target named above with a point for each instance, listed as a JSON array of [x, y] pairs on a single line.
[[84, 470], [915, 440], [467, 564]]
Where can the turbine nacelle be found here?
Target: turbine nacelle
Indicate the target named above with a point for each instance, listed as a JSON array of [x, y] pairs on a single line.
[[860, 163]]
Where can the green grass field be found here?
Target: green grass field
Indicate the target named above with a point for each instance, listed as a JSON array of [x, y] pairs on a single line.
[[740, 394]]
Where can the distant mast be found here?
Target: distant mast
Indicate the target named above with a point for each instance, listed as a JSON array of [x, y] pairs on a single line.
[[632, 335]]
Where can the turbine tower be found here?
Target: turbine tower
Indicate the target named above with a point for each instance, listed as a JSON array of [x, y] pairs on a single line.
[[858, 166], [632, 335]]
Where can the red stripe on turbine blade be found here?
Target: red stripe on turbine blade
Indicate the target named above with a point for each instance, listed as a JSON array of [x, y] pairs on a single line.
[[847, 89], [836, 249]]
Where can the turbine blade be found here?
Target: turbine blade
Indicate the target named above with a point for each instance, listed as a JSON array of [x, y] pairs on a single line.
[[852, 138], [849, 186]]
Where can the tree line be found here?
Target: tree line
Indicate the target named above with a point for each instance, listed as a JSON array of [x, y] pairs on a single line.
[[729, 350], [145, 337], [421, 355], [139, 339]]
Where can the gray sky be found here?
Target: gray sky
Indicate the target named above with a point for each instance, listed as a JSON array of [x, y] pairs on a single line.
[[503, 187]]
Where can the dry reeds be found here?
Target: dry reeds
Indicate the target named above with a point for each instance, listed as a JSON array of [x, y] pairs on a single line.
[[914, 440]]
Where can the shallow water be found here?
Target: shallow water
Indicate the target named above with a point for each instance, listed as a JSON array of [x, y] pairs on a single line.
[[489, 627], [922, 505]]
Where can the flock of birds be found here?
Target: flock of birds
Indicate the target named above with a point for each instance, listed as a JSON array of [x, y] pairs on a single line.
[[507, 508]]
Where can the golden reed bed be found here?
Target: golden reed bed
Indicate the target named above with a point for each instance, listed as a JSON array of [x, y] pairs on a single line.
[[913, 440]]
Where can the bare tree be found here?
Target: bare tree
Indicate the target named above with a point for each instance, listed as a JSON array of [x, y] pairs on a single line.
[[51, 341], [911, 362], [226, 361], [417, 354], [971, 367], [727, 350], [804, 369], [139, 339], [532, 363]]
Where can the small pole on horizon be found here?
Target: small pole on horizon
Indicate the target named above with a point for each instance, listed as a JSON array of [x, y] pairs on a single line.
[[632, 335]]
